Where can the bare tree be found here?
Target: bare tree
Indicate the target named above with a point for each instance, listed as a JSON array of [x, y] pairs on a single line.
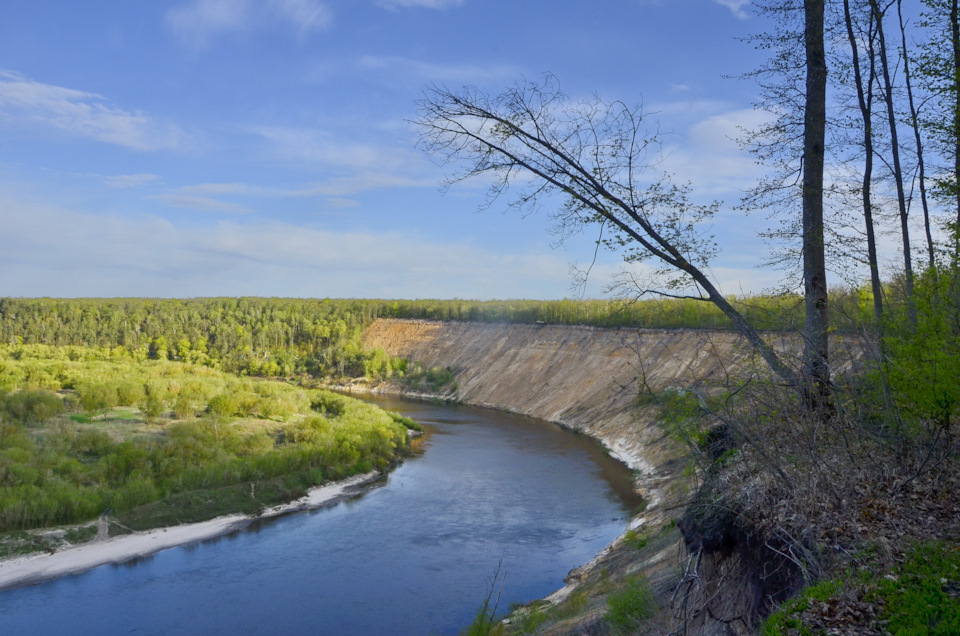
[[594, 163], [863, 87], [895, 167], [917, 137]]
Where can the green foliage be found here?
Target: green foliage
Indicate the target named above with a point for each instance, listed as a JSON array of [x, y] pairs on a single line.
[[680, 414], [152, 407], [405, 421], [919, 597], [922, 362], [435, 379], [787, 618], [923, 597], [639, 540], [485, 622], [73, 468], [630, 605], [30, 407]]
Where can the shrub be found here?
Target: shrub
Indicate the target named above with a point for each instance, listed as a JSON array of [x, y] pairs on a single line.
[[630, 605]]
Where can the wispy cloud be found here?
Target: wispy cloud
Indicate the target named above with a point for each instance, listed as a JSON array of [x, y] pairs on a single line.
[[710, 158], [305, 15], [333, 189], [736, 7], [129, 180], [434, 72], [151, 256], [202, 204], [340, 203], [82, 114], [198, 22], [419, 4], [203, 189]]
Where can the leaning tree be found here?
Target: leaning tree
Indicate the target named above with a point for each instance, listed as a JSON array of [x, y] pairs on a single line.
[[589, 162]]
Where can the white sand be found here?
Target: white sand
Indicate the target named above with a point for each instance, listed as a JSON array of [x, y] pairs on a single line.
[[41, 567]]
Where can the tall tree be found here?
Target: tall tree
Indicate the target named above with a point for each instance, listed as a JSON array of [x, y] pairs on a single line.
[[938, 70], [896, 167], [864, 90], [816, 354], [917, 137]]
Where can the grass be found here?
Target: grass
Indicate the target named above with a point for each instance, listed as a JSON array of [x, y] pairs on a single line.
[[630, 605], [80, 534], [921, 596], [19, 543], [242, 445]]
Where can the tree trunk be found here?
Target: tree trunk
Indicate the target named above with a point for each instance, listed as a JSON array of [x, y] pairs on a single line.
[[918, 140], [865, 102], [897, 170], [815, 359], [955, 40]]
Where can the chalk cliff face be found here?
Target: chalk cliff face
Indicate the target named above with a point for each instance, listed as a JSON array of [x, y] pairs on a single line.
[[584, 378]]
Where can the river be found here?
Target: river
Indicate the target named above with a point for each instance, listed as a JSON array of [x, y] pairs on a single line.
[[417, 554]]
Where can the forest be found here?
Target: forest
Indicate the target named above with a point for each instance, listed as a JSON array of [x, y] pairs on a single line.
[[86, 431]]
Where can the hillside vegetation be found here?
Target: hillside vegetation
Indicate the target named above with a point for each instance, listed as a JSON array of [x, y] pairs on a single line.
[[86, 431]]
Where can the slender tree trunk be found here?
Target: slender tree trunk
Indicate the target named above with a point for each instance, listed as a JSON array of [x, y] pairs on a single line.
[[865, 101], [815, 358], [955, 40], [897, 170], [918, 140]]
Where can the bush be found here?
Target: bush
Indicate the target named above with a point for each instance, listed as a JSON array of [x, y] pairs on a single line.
[[222, 405], [31, 407], [630, 605]]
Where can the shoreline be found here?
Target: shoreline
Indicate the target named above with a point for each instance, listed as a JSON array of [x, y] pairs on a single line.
[[37, 568]]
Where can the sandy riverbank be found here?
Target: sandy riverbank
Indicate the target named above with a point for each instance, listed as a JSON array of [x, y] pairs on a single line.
[[33, 569]]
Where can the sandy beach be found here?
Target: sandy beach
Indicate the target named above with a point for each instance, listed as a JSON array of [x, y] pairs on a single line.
[[35, 568]]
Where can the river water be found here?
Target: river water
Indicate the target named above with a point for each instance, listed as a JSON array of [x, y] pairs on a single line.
[[415, 555]]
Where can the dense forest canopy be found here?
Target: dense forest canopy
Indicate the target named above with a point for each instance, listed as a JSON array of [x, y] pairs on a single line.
[[284, 337]]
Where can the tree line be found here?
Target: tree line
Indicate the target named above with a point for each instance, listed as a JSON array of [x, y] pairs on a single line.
[[282, 337]]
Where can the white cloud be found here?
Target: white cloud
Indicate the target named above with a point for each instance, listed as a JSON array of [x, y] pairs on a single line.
[[352, 167], [340, 203], [196, 23], [82, 114], [709, 156], [216, 188], [419, 4], [346, 186], [57, 252], [434, 72], [129, 180], [736, 7], [306, 15], [200, 21], [202, 204]]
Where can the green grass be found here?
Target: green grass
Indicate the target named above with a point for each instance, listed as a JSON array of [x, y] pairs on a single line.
[[19, 543], [80, 534], [630, 605], [923, 596], [239, 445], [920, 597]]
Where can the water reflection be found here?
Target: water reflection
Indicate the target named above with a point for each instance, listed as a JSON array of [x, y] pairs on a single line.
[[413, 556]]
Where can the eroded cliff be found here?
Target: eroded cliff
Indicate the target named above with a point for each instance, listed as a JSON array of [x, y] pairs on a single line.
[[583, 378]]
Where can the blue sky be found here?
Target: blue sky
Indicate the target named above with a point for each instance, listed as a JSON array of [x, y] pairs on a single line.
[[263, 147]]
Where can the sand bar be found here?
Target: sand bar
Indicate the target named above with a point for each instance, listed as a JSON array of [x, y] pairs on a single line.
[[36, 568]]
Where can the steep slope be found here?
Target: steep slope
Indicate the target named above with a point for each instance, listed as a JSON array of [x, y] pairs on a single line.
[[583, 378], [588, 379]]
